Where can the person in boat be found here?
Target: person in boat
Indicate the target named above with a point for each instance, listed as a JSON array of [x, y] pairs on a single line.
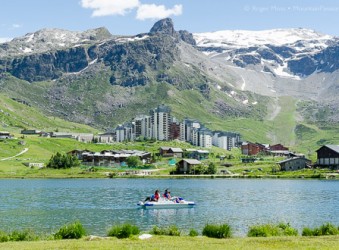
[[155, 196], [167, 194]]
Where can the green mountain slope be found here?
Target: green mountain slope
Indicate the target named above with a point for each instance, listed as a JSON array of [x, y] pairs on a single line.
[[14, 116]]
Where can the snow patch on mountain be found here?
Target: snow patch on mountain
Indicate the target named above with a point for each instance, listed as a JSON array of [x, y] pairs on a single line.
[[276, 52], [245, 38]]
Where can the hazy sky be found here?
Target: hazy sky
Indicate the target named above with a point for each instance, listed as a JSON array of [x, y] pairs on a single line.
[[129, 17]]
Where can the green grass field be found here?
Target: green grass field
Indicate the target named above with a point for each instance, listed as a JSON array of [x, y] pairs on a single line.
[[182, 242]]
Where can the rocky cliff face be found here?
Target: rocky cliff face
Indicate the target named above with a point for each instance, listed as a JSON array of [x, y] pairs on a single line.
[[130, 58], [100, 79]]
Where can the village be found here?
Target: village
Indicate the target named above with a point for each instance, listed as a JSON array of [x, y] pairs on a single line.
[[161, 126]]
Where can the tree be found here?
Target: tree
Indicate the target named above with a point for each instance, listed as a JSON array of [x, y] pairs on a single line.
[[133, 161], [59, 161], [212, 168], [199, 169]]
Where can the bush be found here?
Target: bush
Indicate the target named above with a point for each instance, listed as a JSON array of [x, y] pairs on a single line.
[[123, 231], [71, 231], [59, 161], [269, 230], [193, 233], [217, 231], [3, 236], [325, 229], [307, 232], [25, 235], [212, 168], [133, 161], [172, 231]]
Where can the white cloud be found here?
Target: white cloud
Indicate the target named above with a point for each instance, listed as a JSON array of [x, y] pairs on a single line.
[[121, 7], [110, 7], [5, 39], [152, 11], [16, 26]]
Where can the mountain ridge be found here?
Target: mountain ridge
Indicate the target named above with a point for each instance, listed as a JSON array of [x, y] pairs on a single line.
[[110, 79]]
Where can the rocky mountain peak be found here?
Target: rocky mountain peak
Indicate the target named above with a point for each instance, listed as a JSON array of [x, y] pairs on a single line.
[[164, 26]]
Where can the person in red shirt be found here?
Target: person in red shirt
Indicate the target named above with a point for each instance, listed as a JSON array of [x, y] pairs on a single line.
[[156, 195]]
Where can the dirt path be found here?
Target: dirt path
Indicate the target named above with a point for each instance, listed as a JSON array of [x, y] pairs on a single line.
[[22, 152]]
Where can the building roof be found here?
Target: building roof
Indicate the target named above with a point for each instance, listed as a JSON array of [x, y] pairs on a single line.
[[192, 161], [335, 148], [191, 150], [176, 150], [292, 159], [200, 151]]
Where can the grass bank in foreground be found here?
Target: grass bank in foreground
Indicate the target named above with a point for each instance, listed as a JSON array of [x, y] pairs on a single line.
[[184, 242]]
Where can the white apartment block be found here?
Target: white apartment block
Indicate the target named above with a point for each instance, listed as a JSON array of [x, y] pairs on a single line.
[[161, 118]]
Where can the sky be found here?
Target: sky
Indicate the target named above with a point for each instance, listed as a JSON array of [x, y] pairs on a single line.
[[130, 17]]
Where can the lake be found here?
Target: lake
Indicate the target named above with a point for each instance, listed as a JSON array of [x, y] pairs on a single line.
[[46, 204]]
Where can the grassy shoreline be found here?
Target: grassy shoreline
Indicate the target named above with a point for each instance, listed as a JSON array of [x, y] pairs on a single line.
[[182, 242]]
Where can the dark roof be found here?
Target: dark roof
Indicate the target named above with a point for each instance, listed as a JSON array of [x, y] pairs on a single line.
[[335, 148], [292, 159], [192, 161], [176, 150]]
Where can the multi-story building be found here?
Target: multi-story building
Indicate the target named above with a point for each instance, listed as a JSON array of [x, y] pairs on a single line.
[[205, 137], [226, 140], [161, 118], [186, 129], [160, 125], [120, 133]]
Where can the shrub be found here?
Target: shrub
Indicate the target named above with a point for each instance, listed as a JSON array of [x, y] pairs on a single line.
[[269, 230], [123, 231], [172, 231], [25, 235], [59, 161], [212, 168], [325, 229], [3, 236], [328, 229], [288, 230], [217, 231], [71, 231], [193, 233], [133, 161], [307, 232]]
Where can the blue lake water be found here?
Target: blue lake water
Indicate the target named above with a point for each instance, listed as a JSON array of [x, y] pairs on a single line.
[[45, 205]]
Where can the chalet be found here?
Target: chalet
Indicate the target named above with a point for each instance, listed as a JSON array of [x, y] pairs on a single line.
[[294, 163], [176, 152], [197, 154], [249, 148], [164, 151], [5, 135], [328, 156], [78, 153], [111, 158], [185, 165]]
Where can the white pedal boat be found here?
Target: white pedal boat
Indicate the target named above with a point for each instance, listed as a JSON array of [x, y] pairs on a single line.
[[163, 203]]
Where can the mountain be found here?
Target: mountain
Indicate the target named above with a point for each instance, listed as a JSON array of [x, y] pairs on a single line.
[[101, 80], [230, 80], [294, 53], [294, 62]]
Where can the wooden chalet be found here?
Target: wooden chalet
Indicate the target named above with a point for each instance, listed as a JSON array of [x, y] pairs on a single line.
[[328, 156], [185, 165]]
